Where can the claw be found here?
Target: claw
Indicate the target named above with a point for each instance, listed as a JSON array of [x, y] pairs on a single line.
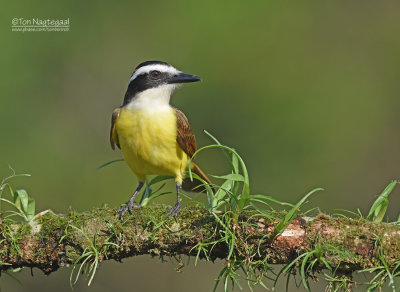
[[174, 210], [128, 207]]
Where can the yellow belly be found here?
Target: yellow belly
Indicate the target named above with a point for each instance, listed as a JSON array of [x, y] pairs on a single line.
[[148, 142]]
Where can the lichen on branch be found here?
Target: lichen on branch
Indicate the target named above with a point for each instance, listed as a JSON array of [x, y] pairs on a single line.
[[344, 244]]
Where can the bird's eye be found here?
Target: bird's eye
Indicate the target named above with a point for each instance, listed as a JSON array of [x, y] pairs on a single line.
[[155, 74]]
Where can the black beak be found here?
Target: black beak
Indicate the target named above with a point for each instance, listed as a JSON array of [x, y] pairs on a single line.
[[183, 78]]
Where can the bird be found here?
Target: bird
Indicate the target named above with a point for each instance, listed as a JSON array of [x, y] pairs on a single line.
[[155, 137]]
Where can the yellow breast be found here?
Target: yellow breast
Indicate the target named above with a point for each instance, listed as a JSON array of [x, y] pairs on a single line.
[[148, 142]]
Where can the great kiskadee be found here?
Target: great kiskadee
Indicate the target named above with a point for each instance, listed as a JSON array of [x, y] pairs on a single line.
[[154, 137]]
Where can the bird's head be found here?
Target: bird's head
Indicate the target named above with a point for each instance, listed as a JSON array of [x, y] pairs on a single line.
[[154, 82]]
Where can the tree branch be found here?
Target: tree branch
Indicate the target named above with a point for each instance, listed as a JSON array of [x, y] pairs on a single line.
[[56, 240]]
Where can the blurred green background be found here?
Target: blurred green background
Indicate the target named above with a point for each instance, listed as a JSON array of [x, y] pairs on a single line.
[[307, 92]]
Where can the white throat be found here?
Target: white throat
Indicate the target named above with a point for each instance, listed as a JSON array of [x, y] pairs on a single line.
[[153, 98]]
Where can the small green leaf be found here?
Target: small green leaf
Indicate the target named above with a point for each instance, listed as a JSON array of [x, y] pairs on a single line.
[[231, 176], [159, 178], [235, 163], [146, 195], [158, 195], [20, 175], [23, 197], [303, 271], [271, 199], [292, 213], [16, 200], [226, 153], [30, 211], [221, 192], [108, 163], [379, 207]]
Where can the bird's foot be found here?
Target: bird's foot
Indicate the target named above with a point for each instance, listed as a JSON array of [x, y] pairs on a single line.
[[128, 207], [173, 211]]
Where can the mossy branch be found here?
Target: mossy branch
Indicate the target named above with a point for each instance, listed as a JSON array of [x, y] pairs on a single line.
[[53, 241]]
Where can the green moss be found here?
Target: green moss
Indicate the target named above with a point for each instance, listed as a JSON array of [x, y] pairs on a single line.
[[71, 253], [101, 233], [12, 234], [23, 230]]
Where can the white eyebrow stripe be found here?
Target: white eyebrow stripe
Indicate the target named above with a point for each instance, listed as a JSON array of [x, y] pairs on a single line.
[[158, 67]]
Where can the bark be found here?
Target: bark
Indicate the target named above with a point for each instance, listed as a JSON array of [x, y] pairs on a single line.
[[52, 241]]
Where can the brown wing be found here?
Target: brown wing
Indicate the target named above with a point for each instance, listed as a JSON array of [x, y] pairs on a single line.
[[113, 132], [185, 138]]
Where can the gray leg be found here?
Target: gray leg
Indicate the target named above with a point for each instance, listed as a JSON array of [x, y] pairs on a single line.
[[128, 206], [175, 209]]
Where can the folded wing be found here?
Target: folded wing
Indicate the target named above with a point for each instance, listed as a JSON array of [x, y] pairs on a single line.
[[187, 141], [113, 132]]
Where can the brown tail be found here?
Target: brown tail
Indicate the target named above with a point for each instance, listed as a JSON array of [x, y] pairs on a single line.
[[195, 185]]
